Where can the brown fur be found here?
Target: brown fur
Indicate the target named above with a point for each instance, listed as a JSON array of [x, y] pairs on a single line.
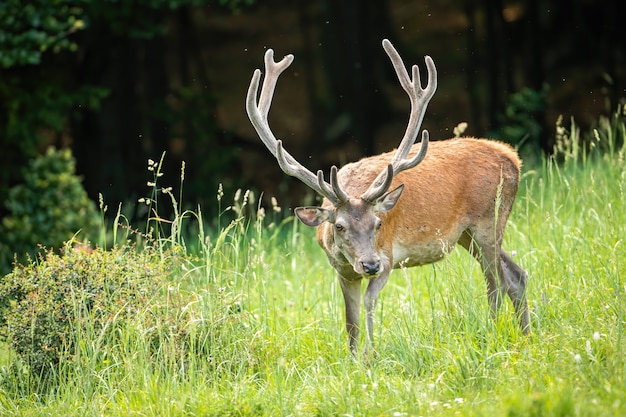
[[453, 188], [450, 197]]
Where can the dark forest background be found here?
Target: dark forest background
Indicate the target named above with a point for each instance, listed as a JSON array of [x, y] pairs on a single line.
[[119, 82]]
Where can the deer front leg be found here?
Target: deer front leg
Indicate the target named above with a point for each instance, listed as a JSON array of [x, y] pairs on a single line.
[[351, 290], [369, 299]]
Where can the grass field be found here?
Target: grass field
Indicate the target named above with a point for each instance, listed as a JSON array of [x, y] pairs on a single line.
[[276, 345]]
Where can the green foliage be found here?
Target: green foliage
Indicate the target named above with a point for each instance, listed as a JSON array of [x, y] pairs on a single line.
[[542, 405], [48, 208], [518, 123], [42, 85], [45, 305], [30, 29], [36, 103], [72, 315]]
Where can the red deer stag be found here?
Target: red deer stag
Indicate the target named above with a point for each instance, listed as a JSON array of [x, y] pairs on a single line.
[[453, 191]]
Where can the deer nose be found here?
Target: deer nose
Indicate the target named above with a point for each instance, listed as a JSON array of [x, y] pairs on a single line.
[[371, 267]]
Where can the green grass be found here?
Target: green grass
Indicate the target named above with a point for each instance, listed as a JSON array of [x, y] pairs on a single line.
[[276, 344]]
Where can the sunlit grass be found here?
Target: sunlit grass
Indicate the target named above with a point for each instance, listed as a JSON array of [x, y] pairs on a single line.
[[264, 313]]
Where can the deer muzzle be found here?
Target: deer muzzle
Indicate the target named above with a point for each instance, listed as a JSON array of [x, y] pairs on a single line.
[[369, 267]]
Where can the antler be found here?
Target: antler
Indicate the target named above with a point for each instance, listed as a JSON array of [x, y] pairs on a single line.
[[258, 116], [419, 101]]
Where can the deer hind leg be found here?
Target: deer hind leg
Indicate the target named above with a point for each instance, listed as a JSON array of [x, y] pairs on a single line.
[[487, 252], [515, 280], [501, 273]]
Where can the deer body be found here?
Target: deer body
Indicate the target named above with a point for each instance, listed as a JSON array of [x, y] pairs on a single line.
[[447, 192], [468, 179], [457, 174]]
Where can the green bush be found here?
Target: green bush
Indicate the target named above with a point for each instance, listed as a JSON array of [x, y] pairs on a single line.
[[518, 124], [47, 209], [47, 305]]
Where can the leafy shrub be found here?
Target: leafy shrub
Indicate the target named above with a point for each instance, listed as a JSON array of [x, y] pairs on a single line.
[[47, 209], [71, 313], [518, 124], [45, 305]]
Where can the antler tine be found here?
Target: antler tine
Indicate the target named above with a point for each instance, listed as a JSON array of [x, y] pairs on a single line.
[[273, 71], [341, 195], [380, 184], [419, 98], [410, 163], [258, 112]]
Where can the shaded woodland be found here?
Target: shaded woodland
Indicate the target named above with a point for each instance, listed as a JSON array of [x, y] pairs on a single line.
[[123, 82]]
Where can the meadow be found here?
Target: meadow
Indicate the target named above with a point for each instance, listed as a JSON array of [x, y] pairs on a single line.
[[264, 315]]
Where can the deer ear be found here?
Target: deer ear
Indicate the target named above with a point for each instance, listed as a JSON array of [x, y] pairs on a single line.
[[314, 216], [388, 200]]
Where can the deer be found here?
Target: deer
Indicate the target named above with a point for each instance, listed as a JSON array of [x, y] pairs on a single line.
[[408, 207]]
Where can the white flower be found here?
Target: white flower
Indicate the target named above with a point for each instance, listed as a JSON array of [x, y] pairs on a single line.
[[596, 336]]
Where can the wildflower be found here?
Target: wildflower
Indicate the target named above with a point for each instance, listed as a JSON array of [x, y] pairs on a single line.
[[459, 129], [577, 358], [513, 253], [102, 206], [596, 336], [275, 205]]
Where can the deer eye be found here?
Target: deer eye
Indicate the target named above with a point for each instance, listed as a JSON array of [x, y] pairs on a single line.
[[340, 227]]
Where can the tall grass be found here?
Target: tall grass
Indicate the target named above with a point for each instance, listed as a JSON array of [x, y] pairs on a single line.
[[262, 315]]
